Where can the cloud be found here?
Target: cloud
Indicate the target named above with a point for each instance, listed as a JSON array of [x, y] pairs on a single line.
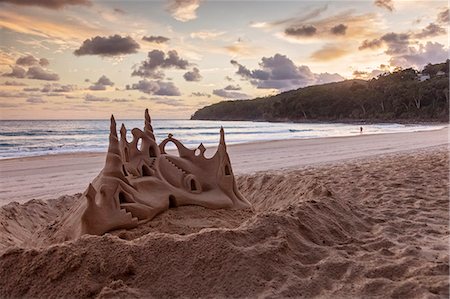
[[419, 57], [155, 87], [51, 4], [168, 102], [55, 87], [14, 94], [71, 97], [396, 43], [430, 31], [108, 46], [183, 10], [230, 94], [38, 73], [339, 29], [157, 60], [279, 72], [404, 51], [119, 11], [304, 31], [30, 60], [367, 75], [35, 100], [232, 87], [27, 60], [32, 89], [16, 72], [443, 16], [156, 39], [61, 32], [44, 62], [54, 94], [35, 71], [91, 98], [8, 105], [122, 100], [205, 35], [13, 83], [388, 4], [371, 44], [330, 52], [241, 49], [313, 25], [101, 83], [193, 75], [307, 17], [200, 94]]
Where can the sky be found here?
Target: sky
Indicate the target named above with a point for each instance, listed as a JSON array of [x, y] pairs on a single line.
[[87, 59]]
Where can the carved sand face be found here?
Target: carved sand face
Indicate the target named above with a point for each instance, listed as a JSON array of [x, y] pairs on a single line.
[[139, 182]]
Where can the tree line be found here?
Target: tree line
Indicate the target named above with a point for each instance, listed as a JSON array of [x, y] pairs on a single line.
[[390, 97]]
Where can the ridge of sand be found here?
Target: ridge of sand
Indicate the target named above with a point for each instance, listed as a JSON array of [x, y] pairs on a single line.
[[51, 176], [369, 228]]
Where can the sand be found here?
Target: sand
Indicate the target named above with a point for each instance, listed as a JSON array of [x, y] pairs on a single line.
[[372, 226], [71, 173]]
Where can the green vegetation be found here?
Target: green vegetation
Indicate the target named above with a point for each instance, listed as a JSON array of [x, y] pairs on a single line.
[[397, 96]]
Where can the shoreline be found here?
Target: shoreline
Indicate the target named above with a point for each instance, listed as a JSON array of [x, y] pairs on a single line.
[[50, 176], [100, 153]]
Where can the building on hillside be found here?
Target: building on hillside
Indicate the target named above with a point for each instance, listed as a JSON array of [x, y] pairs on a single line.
[[422, 77]]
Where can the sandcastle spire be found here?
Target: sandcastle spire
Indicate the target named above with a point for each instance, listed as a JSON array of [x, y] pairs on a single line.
[[123, 133], [113, 140], [222, 138], [148, 129], [112, 127], [113, 163]]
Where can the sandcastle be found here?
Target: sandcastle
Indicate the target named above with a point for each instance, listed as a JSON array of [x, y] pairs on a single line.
[[136, 184]]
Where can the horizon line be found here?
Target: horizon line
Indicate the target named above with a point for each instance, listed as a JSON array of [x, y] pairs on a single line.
[[89, 119]]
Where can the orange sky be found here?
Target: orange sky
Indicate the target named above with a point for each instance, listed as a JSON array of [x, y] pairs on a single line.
[[88, 59]]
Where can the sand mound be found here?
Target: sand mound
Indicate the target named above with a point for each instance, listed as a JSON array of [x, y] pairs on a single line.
[[374, 228], [18, 222]]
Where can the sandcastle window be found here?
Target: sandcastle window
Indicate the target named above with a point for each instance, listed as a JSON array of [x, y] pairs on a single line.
[[193, 186], [122, 197], [172, 201], [227, 170], [127, 157], [139, 144], [151, 152], [146, 171]]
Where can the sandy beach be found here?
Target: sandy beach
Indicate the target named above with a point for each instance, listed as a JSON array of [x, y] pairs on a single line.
[[363, 216], [197, 149]]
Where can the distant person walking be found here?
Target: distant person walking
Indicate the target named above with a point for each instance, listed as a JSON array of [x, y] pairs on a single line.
[[360, 130]]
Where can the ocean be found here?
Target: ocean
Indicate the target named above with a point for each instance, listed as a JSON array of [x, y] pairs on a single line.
[[22, 138]]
